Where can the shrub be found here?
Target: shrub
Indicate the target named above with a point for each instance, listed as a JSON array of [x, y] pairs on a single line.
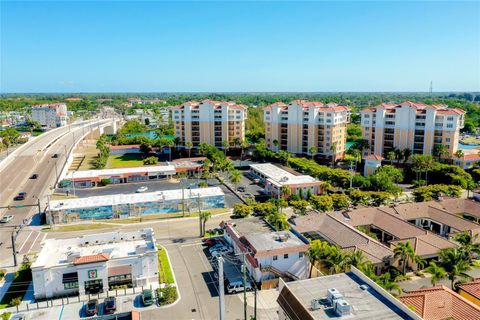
[[241, 210], [15, 301], [105, 182], [150, 160], [167, 295], [435, 191]]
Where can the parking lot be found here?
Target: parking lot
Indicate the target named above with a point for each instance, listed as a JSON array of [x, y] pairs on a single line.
[[153, 186]]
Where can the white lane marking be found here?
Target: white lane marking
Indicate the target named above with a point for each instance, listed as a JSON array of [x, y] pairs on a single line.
[[26, 240]]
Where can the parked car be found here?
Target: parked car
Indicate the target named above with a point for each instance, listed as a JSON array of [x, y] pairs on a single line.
[[237, 286], [18, 316], [22, 194], [110, 304], [210, 242], [6, 219], [241, 189], [142, 189], [34, 176], [215, 247], [91, 308], [55, 155], [222, 251], [147, 297], [248, 195]]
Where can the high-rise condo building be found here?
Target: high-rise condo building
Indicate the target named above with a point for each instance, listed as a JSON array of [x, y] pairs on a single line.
[[300, 125], [415, 126], [211, 122]]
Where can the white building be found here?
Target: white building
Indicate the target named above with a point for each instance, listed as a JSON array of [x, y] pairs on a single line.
[[274, 178], [50, 115], [95, 263], [268, 254]]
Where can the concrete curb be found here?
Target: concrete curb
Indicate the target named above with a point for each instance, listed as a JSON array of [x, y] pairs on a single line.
[[174, 281]]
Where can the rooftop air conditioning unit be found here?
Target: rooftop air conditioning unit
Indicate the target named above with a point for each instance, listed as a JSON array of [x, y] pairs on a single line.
[[342, 307], [333, 295], [315, 304]]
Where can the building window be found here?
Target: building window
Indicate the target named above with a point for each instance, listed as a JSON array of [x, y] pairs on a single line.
[[300, 255], [285, 256], [447, 139], [449, 125], [70, 285], [275, 258]]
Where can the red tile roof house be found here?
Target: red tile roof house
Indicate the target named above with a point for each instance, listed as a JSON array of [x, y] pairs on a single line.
[[269, 254], [439, 303]]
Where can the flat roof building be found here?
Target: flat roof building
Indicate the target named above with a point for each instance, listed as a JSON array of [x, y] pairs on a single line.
[[274, 178], [350, 295], [135, 204], [50, 115], [95, 263], [269, 253], [91, 178]]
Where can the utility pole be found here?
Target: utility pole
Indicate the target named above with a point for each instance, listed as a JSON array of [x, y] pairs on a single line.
[[221, 289], [14, 236], [351, 176], [199, 214], [244, 280], [183, 196]]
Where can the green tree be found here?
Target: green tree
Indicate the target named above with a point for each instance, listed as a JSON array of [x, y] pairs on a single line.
[[241, 210], [340, 201], [356, 258], [437, 273], [204, 217], [145, 149], [453, 261], [459, 154], [189, 146], [469, 244], [390, 156], [322, 203], [440, 151], [312, 151], [225, 146], [405, 252], [150, 160], [235, 177], [333, 150], [300, 206]]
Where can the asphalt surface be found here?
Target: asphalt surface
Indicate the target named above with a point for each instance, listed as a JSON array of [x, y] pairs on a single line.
[[36, 157], [153, 186]]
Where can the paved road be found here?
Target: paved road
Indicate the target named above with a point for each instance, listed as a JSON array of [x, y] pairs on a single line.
[[36, 157]]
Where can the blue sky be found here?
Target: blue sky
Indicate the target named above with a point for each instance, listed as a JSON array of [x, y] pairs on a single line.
[[239, 46]]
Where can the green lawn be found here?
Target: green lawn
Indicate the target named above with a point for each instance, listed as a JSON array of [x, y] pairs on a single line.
[[78, 227], [165, 274], [126, 160]]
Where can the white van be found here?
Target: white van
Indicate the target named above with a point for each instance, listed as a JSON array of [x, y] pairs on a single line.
[[237, 286]]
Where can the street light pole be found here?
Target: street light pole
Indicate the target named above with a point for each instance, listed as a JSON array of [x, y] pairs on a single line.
[[244, 280], [221, 289]]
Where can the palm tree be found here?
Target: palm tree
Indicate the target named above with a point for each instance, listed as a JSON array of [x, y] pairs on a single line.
[[406, 155], [236, 142], [437, 272], [312, 150], [146, 149], [285, 191], [468, 244], [204, 216], [385, 282], [356, 258], [440, 151], [189, 146], [459, 154], [169, 143], [235, 177], [404, 251], [275, 143], [336, 261], [243, 146], [177, 141], [398, 154], [390, 156], [333, 149], [454, 263], [225, 146], [314, 253]]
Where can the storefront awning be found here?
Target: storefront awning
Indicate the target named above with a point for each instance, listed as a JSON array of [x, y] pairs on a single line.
[[119, 270]]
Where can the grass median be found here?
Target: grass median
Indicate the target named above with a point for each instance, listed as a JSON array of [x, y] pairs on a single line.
[[165, 274]]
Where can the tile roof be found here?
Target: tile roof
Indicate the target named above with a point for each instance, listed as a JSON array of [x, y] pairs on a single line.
[[443, 109], [459, 206], [100, 257], [347, 237], [472, 288], [438, 303]]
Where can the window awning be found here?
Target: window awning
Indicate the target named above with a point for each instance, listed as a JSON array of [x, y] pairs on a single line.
[[119, 270], [70, 277]]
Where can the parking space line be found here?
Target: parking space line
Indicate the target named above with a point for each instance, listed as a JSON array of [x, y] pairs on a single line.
[[61, 312]]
